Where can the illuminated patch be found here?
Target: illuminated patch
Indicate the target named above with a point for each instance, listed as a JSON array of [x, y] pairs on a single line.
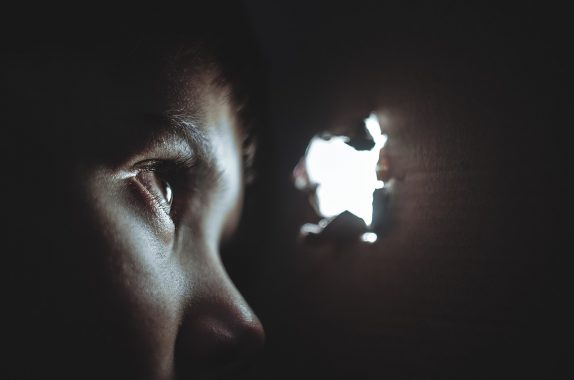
[[343, 177], [342, 174]]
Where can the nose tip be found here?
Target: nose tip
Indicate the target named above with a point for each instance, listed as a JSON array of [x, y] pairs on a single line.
[[225, 339], [219, 335]]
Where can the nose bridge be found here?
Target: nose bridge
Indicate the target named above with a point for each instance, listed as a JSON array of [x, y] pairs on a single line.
[[219, 330]]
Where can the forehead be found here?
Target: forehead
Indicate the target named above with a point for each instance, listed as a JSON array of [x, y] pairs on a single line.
[[106, 98], [187, 94], [173, 78]]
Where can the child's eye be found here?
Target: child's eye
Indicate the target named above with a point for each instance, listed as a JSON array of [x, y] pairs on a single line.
[[159, 189]]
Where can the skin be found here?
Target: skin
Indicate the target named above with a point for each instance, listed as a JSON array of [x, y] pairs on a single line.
[[135, 287]]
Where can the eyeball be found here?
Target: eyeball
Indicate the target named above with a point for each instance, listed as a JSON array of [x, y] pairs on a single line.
[[168, 193]]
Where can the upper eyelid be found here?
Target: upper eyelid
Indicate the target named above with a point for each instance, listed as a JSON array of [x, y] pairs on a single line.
[[171, 163]]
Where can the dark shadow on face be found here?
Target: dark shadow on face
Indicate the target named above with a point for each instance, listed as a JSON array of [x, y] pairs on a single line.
[[140, 141]]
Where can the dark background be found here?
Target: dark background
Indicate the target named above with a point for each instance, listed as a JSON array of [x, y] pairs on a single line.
[[462, 284]]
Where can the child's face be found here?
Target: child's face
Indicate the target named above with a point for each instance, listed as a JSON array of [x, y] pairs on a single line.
[[144, 287]]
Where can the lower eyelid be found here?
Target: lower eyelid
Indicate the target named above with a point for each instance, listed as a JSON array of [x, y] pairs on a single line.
[[153, 203], [164, 199]]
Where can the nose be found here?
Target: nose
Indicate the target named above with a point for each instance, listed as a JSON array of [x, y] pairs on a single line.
[[219, 332]]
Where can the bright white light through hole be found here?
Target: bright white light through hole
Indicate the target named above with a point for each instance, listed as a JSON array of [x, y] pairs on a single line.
[[345, 178], [369, 237]]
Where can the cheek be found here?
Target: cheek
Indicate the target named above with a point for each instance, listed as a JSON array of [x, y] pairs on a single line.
[[126, 221], [140, 284]]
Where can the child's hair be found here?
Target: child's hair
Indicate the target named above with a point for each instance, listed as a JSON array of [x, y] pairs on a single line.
[[53, 67]]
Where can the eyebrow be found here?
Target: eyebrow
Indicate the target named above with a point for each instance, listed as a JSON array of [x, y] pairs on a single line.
[[188, 129]]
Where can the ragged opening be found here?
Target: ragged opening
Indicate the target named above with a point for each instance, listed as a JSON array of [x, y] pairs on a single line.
[[342, 174]]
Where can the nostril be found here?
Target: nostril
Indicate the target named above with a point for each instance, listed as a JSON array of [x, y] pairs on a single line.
[[209, 345]]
